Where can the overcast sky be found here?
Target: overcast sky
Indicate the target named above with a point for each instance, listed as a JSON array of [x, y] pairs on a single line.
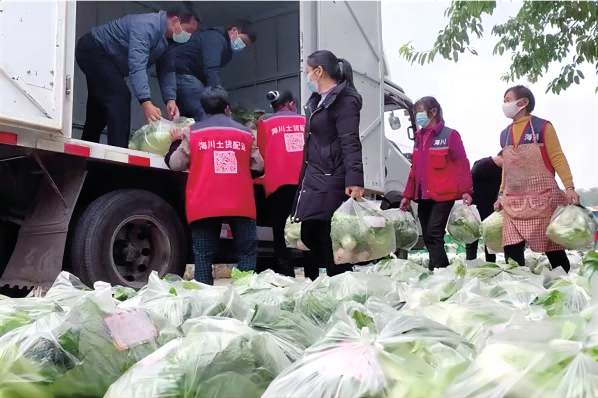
[[471, 92]]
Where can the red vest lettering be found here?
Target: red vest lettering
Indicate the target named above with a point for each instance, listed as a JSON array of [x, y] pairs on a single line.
[[281, 139], [441, 173], [219, 182]]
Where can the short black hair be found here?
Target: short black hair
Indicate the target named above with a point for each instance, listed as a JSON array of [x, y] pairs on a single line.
[[185, 16], [523, 92], [278, 99], [244, 28], [214, 100]]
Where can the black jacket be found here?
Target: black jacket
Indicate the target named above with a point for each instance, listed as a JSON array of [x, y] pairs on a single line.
[[332, 153], [205, 55], [487, 177]]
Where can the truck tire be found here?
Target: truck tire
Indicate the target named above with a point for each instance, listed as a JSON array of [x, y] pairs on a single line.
[[125, 235]]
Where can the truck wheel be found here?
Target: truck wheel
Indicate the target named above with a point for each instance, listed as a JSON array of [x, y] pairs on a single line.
[[125, 235]]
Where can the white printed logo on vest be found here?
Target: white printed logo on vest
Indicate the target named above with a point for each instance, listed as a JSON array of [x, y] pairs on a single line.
[[225, 162], [294, 142]]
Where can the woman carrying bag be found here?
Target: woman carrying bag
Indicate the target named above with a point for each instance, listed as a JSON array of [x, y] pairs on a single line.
[[332, 167], [529, 192]]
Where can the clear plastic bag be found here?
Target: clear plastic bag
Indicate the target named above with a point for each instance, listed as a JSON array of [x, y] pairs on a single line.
[[361, 233], [464, 224], [292, 235], [409, 356], [219, 358], [83, 351], [492, 232], [154, 137], [15, 313], [573, 227], [406, 232]]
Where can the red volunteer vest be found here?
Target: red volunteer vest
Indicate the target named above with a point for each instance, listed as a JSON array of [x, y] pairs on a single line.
[[281, 141], [219, 163], [442, 172]]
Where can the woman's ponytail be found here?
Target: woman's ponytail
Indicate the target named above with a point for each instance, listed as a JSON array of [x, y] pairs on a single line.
[[346, 71], [337, 68]]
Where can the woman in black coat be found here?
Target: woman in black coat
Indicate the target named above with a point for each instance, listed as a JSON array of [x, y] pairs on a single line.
[[332, 169]]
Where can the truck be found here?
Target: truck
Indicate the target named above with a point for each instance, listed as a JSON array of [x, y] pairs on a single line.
[[115, 214]]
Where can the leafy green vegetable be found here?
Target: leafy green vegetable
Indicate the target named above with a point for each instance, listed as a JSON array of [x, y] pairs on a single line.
[[406, 232], [492, 231], [464, 224], [573, 227], [236, 274], [15, 313], [154, 137]]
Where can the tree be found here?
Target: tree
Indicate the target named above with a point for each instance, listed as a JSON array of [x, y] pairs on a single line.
[[533, 50]]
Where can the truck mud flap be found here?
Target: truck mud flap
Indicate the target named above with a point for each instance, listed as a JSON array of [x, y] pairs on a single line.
[[37, 258]]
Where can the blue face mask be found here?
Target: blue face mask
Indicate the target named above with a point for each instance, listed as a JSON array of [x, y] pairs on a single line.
[[312, 86], [421, 118], [237, 45]]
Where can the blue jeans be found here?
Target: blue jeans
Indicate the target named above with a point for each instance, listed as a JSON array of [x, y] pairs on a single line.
[[206, 236], [189, 90]]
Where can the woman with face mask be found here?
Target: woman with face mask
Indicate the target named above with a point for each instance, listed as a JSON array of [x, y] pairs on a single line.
[[529, 192], [439, 175], [332, 169]]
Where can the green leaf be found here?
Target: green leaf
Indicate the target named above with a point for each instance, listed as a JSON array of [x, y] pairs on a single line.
[[172, 291], [576, 78], [424, 58], [580, 74], [501, 50], [456, 56]]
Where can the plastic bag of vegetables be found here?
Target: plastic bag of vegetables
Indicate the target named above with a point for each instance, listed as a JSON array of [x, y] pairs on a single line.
[[81, 353], [464, 224], [292, 235], [361, 233], [573, 227], [538, 359], [219, 357], [492, 232], [406, 232], [154, 137], [408, 356], [15, 313]]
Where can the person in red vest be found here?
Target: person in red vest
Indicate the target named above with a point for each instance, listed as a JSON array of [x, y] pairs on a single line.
[[439, 175], [280, 138], [221, 158]]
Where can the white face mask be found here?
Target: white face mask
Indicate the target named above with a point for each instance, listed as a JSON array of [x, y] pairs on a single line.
[[182, 37], [510, 109]]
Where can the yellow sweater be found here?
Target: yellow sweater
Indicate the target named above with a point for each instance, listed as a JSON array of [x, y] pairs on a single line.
[[553, 148]]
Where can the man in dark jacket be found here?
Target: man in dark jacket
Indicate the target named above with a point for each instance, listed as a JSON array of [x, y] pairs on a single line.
[[199, 64], [487, 177], [122, 48]]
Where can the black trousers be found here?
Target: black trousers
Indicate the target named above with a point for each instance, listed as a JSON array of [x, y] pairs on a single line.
[[108, 96], [557, 258], [315, 234], [433, 217], [280, 204], [472, 252]]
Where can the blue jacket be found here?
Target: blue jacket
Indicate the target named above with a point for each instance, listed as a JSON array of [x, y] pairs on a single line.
[[136, 42], [205, 56]]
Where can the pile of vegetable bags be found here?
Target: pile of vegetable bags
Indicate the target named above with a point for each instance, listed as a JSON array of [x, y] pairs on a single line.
[[361, 233], [573, 227], [391, 329], [154, 137]]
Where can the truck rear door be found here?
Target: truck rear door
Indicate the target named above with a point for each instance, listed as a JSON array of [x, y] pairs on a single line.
[[36, 64], [353, 30]]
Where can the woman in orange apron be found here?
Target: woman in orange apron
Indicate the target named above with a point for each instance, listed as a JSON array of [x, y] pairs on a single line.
[[529, 191]]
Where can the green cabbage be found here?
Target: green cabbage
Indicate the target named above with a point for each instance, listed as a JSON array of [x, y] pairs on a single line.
[[154, 137], [464, 224], [406, 232], [492, 232], [573, 227]]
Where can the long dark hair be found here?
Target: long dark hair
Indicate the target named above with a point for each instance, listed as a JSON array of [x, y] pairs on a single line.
[[337, 68], [278, 99]]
